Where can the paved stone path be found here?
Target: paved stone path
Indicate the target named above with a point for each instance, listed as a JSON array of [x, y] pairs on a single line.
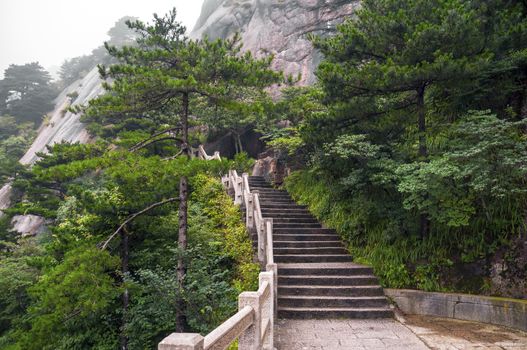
[[345, 334], [408, 333], [449, 334]]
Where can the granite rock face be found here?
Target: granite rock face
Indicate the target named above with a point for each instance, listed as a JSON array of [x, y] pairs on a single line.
[[64, 126], [279, 27], [28, 225]]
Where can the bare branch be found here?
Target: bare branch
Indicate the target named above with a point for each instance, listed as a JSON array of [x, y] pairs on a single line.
[[133, 216], [173, 157]]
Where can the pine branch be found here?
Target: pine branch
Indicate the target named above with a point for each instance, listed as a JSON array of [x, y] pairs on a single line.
[[133, 216], [150, 141]]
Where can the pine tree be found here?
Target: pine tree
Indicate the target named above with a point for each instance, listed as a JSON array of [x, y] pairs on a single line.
[[162, 77], [390, 59], [26, 93]]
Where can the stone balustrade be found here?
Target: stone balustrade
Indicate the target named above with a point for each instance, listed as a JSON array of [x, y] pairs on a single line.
[[202, 154], [253, 324]]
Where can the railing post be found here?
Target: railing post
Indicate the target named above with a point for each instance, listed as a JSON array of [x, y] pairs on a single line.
[[268, 233], [239, 191], [268, 309], [274, 269], [249, 220], [261, 242], [250, 339], [182, 341]]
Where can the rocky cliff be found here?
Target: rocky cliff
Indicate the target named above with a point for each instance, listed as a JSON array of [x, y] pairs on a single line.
[[60, 125], [279, 27]]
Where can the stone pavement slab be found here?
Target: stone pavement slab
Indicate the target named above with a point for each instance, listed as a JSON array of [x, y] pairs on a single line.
[[345, 334], [446, 333], [404, 333]]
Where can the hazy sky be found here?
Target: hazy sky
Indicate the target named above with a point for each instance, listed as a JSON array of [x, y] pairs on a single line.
[[49, 31]]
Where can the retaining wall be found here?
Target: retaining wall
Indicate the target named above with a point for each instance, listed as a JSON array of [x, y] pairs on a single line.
[[500, 311]]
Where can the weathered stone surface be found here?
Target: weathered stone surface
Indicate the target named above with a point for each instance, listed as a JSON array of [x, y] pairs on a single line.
[[28, 225], [64, 125], [5, 197], [182, 341], [345, 334], [500, 311], [275, 26], [447, 333]]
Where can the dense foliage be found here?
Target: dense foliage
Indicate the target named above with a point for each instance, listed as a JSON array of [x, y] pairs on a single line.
[[140, 233], [75, 302], [416, 153], [15, 137]]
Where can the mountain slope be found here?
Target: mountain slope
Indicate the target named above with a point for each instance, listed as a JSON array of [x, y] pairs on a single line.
[[279, 27]]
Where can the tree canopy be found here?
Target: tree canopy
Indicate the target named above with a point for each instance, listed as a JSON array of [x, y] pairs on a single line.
[[26, 92]]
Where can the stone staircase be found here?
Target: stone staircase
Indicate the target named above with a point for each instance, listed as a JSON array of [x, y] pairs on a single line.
[[316, 276]]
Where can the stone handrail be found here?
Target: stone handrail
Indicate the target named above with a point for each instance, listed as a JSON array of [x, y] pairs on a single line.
[[239, 186], [202, 154], [253, 324]]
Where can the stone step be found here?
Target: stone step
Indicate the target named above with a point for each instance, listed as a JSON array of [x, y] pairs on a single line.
[[309, 250], [279, 215], [329, 269], [281, 206], [350, 291], [306, 244], [279, 226], [268, 190], [271, 192], [329, 313], [281, 201], [301, 220], [325, 280], [309, 237], [304, 231], [286, 211], [293, 258], [274, 198], [331, 301]]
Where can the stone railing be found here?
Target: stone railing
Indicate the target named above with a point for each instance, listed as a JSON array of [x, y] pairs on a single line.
[[253, 324], [202, 154]]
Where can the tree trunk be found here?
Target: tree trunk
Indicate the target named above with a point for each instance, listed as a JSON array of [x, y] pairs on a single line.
[[239, 140], [421, 113], [125, 249], [424, 222], [181, 321], [523, 116]]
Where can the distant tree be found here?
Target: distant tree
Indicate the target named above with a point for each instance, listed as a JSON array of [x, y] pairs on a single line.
[[77, 67], [26, 92], [120, 34]]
